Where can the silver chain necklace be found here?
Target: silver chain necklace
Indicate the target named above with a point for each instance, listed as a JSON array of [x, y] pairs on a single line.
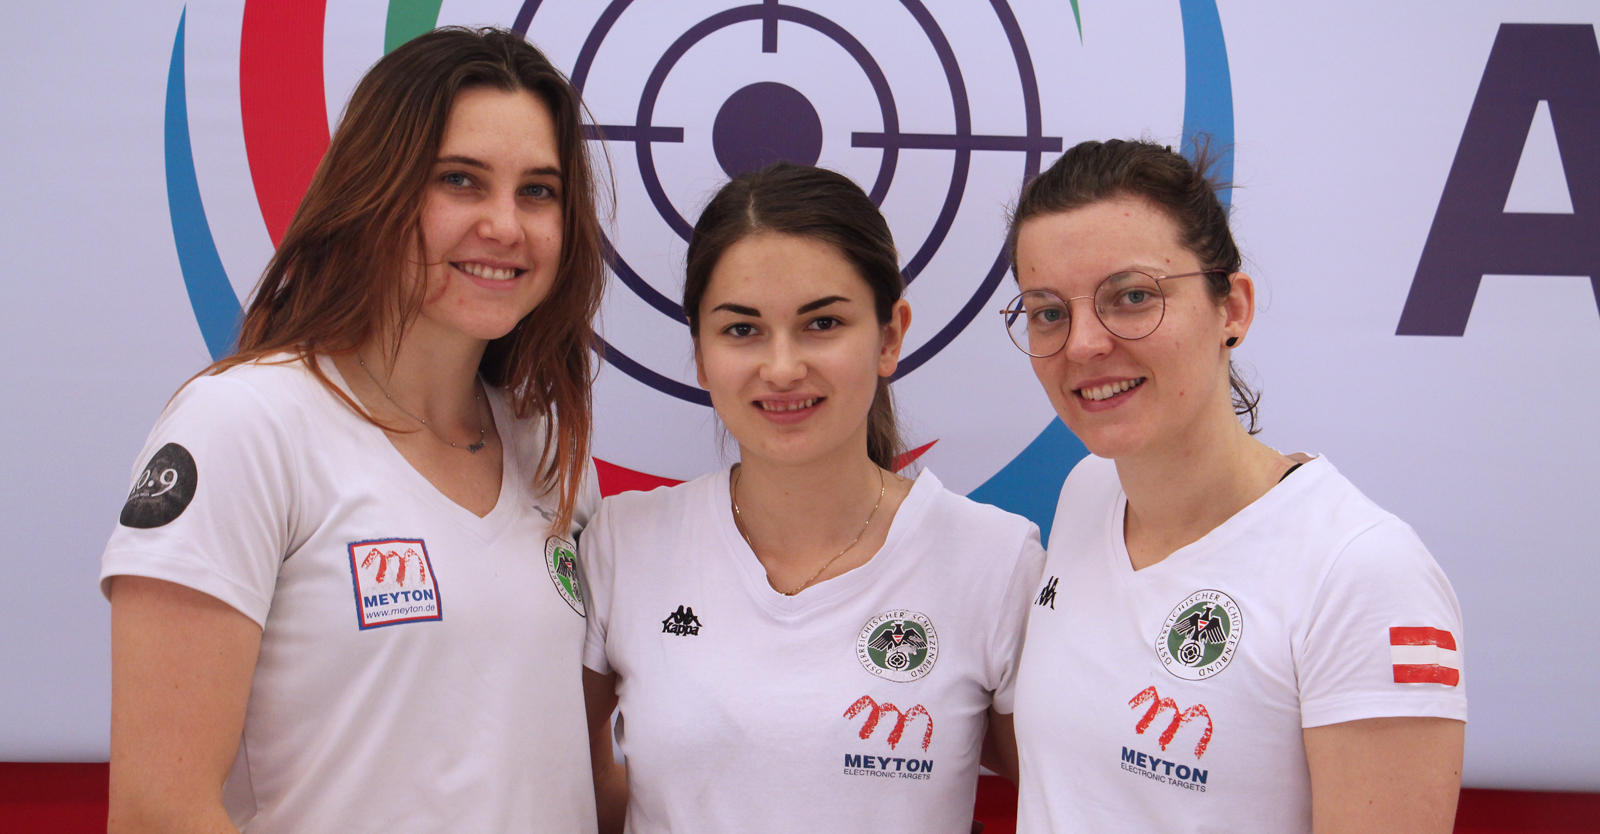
[[477, 401], [738, 521]]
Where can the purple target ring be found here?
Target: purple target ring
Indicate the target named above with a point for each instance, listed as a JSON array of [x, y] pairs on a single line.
[[766, 121]]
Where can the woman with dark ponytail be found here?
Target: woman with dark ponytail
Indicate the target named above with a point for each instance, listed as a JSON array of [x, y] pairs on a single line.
[[806, 641]]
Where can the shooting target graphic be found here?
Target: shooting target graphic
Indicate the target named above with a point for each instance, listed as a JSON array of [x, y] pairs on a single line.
[[939, 110]]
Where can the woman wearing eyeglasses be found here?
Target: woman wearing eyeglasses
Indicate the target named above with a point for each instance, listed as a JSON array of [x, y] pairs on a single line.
[[1239, 639]]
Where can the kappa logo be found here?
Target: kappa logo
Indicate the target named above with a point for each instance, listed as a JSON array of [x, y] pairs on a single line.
[[1201, 635], [1047, 596], [899, 645], [875, 713], [681, 622], [561, 560], [1180, 717], [394, 582]]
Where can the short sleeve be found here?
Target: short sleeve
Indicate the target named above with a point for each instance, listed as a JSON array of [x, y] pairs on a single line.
[[210, 502], [1383, 638], [598, 557], [1013, 620]]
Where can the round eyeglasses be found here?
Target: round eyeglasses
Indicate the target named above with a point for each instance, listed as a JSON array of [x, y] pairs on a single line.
[[1129, 304]]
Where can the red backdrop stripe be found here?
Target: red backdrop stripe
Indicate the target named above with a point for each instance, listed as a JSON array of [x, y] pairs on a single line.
[[281, 102]]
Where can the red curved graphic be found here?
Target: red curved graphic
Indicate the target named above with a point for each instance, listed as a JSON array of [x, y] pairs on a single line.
[[615, 479], [1179, 718], [876, 712], [281, 102]]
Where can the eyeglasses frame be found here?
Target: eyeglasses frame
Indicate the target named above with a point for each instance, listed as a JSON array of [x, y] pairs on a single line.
[[1067, 303]]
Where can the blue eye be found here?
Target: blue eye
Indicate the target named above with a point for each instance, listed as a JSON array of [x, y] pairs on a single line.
[[542, 192], [457, 179]]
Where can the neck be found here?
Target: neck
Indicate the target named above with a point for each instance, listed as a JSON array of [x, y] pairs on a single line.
[[1181, 491], [794, 511], [433, 378]]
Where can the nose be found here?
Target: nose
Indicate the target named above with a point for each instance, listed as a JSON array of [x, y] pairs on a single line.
[[784, 363], [1087, 338], [499, 220]]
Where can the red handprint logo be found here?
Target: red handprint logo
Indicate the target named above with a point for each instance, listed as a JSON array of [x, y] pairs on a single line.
[[383, 557], [1179, 718], [875, 713]]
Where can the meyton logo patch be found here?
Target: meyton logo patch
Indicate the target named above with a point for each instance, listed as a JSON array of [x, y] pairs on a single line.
[[1201, 635], [561, 559], [898, 645], [394, 582]]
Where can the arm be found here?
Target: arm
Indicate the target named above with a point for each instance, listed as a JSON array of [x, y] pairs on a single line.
[[1000, 745], [1379, 775], [610, 778], [181, 665]]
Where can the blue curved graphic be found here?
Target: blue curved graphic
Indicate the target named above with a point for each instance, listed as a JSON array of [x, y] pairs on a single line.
[[216, 308], [1031, 482], [1207, 88]]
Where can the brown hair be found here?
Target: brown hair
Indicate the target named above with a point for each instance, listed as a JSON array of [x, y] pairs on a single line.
[[814, 203], [1092, 172], [335, 278]]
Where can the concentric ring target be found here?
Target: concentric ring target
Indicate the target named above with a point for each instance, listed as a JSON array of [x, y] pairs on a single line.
[[644, 133]]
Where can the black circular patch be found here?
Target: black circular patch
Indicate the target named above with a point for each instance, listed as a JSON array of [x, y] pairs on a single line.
[[164, 489]]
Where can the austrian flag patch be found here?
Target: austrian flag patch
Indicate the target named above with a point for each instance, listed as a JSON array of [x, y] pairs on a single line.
[[1424, 655]]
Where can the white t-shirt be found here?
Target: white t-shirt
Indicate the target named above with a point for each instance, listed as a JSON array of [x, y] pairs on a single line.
[[1172, 699], [857, 705], [420, 667]]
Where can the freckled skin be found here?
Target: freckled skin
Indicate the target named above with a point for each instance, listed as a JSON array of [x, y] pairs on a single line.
[[1070, 253], [504, 213]]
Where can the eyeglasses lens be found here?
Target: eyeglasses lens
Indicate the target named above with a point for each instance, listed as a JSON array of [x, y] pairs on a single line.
[[1130, 304], [1038, 323]]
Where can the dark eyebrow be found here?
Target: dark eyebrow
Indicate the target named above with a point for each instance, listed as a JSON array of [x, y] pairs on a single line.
[[546, 170], [819, 304], [737, 309]]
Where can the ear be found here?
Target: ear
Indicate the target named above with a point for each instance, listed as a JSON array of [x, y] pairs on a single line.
[[699, 363], [1239, 308], [894, 337]]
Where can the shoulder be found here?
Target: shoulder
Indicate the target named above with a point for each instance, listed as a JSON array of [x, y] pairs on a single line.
[[949, 511], [1363, 542], [268, 388], [1092, 478], [666, 506]]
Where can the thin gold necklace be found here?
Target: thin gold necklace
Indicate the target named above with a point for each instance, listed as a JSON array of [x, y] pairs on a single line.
[[477, 401], [738, 522]]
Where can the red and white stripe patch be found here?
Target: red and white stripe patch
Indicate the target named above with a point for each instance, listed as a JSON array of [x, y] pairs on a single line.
[[1424, 655]]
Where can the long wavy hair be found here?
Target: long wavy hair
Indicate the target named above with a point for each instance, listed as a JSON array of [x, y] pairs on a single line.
[[336, 280]]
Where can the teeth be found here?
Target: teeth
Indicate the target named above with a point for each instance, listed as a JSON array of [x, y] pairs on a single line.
[[794, 405], [1106, 392], [488, 272]]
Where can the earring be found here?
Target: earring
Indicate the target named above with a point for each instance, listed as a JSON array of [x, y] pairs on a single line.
[[1232, 340]]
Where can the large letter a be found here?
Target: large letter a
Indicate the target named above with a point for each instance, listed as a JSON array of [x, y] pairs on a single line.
[[1472, 234]]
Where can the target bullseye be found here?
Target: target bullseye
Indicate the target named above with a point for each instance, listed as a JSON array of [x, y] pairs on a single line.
[[763, 123]]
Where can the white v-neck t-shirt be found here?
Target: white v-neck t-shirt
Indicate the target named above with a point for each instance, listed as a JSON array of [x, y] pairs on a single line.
[[1173, 698], [857, 705], [420, 667]]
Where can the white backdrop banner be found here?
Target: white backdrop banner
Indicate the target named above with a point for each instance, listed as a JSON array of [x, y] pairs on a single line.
[[1418, 193]]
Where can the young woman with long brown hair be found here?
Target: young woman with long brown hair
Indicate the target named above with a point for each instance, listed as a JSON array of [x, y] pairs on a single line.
[[1239, 640], [344, 592], [805, 641]]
